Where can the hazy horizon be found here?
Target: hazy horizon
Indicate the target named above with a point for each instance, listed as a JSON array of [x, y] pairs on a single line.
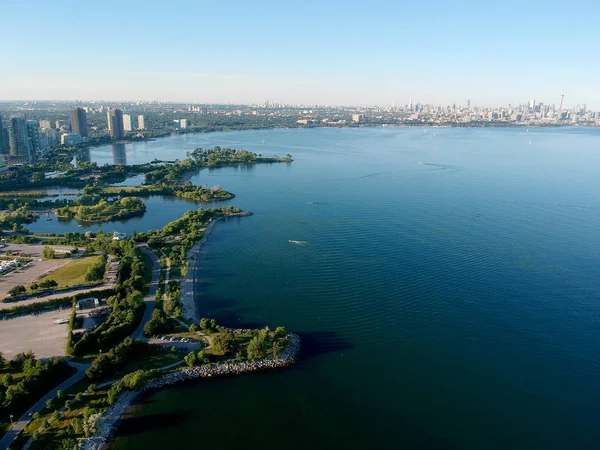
[[327, 53]]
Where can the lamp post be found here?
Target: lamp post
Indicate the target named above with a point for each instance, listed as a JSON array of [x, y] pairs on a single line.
[[11, 420]]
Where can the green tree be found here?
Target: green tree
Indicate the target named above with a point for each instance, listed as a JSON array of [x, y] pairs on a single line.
[[68, 404], [224, 342], [48, 253], [59, 394], [17, 290], [191, 359]]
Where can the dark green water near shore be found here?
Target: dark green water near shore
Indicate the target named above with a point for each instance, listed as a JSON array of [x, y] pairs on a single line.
[[447, 292]]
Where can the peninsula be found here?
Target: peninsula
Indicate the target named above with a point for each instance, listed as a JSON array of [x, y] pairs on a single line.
[[129, 333]]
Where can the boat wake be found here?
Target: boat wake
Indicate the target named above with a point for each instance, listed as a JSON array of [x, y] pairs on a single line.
[[298, 242]]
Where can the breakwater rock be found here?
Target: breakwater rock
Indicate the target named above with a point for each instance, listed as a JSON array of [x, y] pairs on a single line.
[[107, 424]]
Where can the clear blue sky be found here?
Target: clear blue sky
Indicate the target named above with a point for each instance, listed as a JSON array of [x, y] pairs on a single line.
[[326, 52]]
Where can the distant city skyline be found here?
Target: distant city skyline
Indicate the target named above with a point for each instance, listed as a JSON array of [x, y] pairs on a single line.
[[493, 53]]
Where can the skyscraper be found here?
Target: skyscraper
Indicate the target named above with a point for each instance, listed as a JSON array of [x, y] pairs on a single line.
[[79, 122], [33, 134], [141, 123], [115, 123], [128, 122], [19, 140], [2, 149]]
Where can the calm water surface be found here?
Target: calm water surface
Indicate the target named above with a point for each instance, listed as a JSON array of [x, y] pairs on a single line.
[[448, 291]]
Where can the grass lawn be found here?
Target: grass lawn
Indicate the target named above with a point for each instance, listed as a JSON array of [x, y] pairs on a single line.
[[73, 273], [153, 358]]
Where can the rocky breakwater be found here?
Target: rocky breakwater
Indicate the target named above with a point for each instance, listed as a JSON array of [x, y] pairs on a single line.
[[107, 424], [285, 358]]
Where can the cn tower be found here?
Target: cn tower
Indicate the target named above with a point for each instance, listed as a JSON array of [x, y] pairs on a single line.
[[562, 97]]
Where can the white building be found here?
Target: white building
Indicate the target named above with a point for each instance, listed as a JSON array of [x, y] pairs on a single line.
[[184, 123], [128, 122], [141, 123], [70, 139]]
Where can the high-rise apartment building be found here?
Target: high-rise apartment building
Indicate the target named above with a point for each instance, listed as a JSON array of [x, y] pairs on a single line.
[[33, 134], [128, 122], [46, 124], [2, 149], [19, 140], [115, 123], [184, 123], [79, 122], [141, 123], [3, 165]]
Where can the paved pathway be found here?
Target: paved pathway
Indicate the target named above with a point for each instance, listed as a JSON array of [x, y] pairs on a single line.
[[11, 434], [148, 299], [179, 321]]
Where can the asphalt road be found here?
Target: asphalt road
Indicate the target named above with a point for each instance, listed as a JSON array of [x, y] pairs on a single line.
[[148, 299]]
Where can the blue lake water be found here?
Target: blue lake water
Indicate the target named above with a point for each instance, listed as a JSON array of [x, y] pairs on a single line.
[[448, 290]]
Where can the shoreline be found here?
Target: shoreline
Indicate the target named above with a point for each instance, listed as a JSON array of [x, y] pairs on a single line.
[[391, 125], [188, 299], [111, 420]]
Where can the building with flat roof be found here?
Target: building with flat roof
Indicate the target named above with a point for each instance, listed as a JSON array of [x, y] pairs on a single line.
[[141, 123], [115, 123], [70, 139], [2, 149], [128, 122], [79, 122], [19, 140]]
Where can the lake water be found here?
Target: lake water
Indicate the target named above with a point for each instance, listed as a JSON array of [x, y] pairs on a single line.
[[448, 291]]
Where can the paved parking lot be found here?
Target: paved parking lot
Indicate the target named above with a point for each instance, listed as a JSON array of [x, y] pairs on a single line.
[[34, 270], [39, 334]]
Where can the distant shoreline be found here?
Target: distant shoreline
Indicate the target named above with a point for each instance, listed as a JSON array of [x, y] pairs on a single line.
[[358, 125]]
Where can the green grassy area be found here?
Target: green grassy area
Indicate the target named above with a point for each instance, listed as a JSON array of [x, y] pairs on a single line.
[[63, 425], [73, 273], [153, 358]]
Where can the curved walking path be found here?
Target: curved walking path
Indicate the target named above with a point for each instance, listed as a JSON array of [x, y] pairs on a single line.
[[150, 297], [20, 424]]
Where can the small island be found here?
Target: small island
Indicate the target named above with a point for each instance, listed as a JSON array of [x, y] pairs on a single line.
[[103, 211]]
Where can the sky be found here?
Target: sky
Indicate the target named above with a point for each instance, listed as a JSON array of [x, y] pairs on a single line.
[[301, 52]]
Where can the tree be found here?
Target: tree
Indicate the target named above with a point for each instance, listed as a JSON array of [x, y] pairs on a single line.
[[68, 404], [224, 342], [37, 177], [48, 253], [34, 286], [2, 360], [204, 324], [59, 394], [79, 397], [191, 359], [50, 404], [17, 290]]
